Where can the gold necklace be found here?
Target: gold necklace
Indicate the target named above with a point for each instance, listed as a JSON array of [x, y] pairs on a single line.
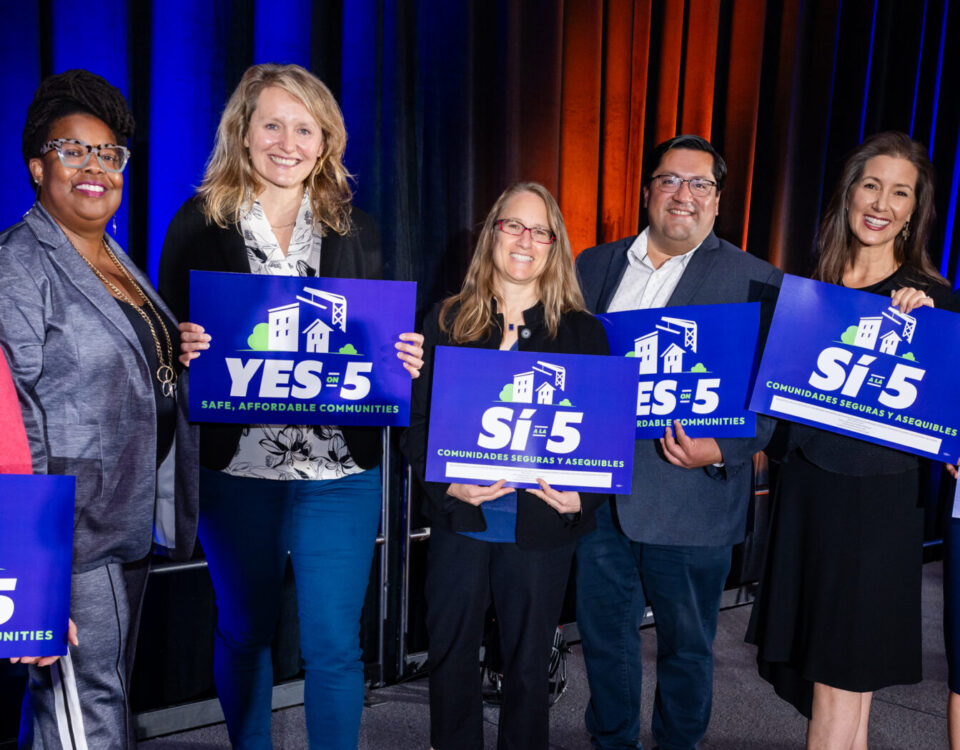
[[166, 375]]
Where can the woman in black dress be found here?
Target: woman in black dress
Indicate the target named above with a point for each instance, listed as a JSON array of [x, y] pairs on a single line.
[[838, 612]]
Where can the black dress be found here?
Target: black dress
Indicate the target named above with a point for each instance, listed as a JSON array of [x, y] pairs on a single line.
[[839, 601]]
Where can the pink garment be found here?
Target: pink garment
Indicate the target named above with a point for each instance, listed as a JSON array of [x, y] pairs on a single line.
[[14, 450]]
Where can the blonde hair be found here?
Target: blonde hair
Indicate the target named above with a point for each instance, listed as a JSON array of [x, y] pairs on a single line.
[[471, 309], [230, 184]]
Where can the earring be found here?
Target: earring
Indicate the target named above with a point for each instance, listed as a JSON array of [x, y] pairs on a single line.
[[905, 232], [114, 225], [37, 193]]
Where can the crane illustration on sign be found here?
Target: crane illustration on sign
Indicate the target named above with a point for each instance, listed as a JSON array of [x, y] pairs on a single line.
[[303, 325], [679, 337]]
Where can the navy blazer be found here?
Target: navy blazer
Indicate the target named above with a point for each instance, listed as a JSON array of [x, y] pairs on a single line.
[[86, 392], [667, 504]]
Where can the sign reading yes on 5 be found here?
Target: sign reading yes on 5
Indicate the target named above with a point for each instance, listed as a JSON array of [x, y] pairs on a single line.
[[694, 365], [300, 350], [523, 415], [36, 557], [849, 362]]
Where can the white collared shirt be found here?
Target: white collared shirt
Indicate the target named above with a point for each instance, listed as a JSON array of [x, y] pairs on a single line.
[[644, 286]]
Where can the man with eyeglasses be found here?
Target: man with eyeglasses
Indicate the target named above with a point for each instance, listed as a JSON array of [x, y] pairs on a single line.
[[669, 542]]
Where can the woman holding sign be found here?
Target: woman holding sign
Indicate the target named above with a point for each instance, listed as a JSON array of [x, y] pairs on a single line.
[[93, 354], [838, 613], [275, 199], [515, 547]]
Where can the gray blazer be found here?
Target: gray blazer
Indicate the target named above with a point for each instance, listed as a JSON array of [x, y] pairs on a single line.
[[87, 398], [667, 504]]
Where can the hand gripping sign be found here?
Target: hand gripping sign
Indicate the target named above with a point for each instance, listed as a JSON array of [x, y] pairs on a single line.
[[523, 415], [850, 362], [36, 555], [693, 364], [300, 350]]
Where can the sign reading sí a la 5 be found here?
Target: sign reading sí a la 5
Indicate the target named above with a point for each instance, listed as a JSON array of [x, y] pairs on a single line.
[[851, 362], [521, 416]]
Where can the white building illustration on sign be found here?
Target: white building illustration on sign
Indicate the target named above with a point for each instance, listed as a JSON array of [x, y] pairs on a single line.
[[646, 348], [889, 342], [544, 379], [284, 322], [900, 327], [318, 337], [673, 358]]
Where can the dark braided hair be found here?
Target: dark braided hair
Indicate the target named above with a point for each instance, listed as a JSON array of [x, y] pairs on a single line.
[[70, 93]]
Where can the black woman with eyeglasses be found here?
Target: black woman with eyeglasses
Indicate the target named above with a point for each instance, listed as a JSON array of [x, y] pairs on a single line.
[[93, 354], [491, 542]]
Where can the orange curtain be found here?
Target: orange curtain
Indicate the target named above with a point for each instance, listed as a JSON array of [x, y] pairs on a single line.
[[637, 72]]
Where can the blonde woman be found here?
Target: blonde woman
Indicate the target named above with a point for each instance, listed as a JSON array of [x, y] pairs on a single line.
[[275, 200]]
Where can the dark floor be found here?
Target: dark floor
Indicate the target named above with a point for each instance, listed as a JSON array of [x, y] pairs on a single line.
[[746, 713]]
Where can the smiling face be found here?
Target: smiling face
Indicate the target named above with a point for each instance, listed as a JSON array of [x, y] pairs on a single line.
[[680, 221], [882, 201], [81, 200], [283, 139], [519, 260]]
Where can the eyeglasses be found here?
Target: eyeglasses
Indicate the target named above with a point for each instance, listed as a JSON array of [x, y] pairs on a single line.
[[670, 183], [537, 234], [75, 154]]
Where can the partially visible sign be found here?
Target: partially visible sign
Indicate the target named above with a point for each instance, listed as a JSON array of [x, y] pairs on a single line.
[[36, 557], [693, 364], [300, 350], [520, 416], [850, 362]]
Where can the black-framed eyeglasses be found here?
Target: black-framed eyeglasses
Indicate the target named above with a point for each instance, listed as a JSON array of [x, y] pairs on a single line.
[[75, 154], [670, 183], [516, 228]]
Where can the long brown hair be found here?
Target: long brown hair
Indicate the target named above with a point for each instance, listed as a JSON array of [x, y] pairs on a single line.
[[230, 184], [836, 244], [471, 309]]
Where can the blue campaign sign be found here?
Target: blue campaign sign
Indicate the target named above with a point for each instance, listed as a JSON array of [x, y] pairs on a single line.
[[694, 365], [300, 350], [849, 362], [523, 415], [36, 557]]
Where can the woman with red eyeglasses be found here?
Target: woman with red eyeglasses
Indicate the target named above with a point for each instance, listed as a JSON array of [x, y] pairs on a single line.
[[491, 542]]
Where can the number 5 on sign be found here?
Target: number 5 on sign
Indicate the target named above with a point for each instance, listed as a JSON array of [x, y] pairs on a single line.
[[6, 603]]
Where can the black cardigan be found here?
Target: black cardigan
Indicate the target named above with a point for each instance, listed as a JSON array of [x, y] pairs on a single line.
[[194, 244], [538, 525]]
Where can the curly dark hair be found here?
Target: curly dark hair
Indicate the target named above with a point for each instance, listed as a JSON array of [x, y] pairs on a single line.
[[69, 93]]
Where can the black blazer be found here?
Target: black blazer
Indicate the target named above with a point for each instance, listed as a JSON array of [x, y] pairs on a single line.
[[538, 525], [194, 244]]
